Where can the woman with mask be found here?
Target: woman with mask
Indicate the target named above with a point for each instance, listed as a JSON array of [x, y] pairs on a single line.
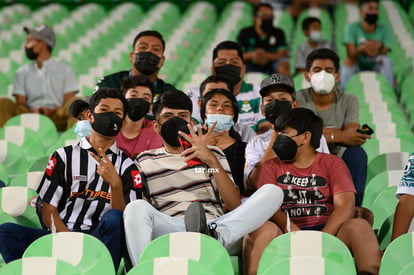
[[220, 106], [137, 134]]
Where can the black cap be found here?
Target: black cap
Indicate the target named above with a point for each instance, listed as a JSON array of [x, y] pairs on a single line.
[[279, 81]]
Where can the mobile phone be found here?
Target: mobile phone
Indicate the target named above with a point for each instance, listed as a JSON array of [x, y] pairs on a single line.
[[365, 129], [184, 146]]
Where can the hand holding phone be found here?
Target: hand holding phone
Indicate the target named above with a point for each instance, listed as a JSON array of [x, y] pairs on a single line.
[[184, 146], [365, 129]]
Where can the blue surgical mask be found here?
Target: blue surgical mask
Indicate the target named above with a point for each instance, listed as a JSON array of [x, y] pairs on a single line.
[[83, 128], [224, 122]]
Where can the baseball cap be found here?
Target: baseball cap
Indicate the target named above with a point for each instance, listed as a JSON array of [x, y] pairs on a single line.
[[277, 80], [42, 32], [78, 105]]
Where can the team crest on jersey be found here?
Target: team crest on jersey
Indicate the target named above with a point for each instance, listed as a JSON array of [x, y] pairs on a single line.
[[136, 176], [246, 107], [51, 166]]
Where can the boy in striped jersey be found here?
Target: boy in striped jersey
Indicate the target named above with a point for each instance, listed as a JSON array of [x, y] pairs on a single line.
[[175, 178], [85, 186]]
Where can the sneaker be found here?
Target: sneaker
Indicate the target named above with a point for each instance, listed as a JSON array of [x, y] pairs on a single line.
[[195, 219]]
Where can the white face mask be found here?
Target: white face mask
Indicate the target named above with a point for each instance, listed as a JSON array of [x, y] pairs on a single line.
[[315, 36], [322, 82]]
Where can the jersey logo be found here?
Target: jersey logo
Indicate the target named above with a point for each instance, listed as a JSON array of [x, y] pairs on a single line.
[[246, 107], [136, 176], [50, 166]]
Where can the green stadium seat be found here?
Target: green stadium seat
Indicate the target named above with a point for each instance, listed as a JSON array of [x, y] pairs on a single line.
[[88, 254], [195, 246], [30, 179], [17, 205], [307, 243], [384, 206], [407, 270], [12, 158], [309, 265], [4, 176], [42, 125], [39, 265], [300, 82], [386, 162], [385, 231], [171, 265], [39, 165], [398, 255], [378, 183]]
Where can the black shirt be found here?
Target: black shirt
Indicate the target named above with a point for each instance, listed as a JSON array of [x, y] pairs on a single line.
[[235, 157]]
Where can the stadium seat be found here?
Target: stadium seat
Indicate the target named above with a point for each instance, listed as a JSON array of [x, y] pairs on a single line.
[[4, 176], [12, 158], [42, 125], [39, 165], [386, 162], [29, 179], [384, 206], [88, 254], [398, 255], [407, 270], [309, 265], [39, 265], [378, 183], [195, 246], [17, 204], [25, 138], [307, 243], [385, 231], [171, 265]]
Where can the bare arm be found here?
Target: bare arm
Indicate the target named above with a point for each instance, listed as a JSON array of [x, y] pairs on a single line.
[[344, 204], [347, 137], [49, 210], [404, 213]]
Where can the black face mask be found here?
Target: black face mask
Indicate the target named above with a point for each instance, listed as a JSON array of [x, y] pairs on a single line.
[[31, 54], [137, 108], [107, 124], [146, 62], [231, 72], [274, 109], [170, 128], [267, 25], [371, 18], [285, 148]]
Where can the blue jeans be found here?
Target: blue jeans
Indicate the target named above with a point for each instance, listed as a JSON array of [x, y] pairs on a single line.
[[14, 238], [357, 161], [383, 66]]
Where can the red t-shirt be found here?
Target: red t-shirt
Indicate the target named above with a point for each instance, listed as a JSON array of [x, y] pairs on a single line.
[[146, 140], [308, 192]]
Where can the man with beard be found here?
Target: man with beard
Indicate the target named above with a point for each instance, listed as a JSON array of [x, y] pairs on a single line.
[[45, 85], [85, 186], [188, 177], [264, 46], [367, 44], [147, 58]]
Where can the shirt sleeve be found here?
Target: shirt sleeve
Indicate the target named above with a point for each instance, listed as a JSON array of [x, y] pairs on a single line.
[[387, 37], [132, 183], [71, 84], [18, 86], [406, 185], [253, 155], [340, 179], [352, 109], [348, 34], [268, 174], [52, 186]]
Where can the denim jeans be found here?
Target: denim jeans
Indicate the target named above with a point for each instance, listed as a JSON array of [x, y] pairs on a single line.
[[14, 238], [357, 161], [383, 66], [143, 222]]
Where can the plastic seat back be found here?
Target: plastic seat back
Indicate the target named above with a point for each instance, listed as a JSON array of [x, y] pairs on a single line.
[[399, 254], [29, 179], [171, 265], [88, 254], [38, 266], [12, 158]]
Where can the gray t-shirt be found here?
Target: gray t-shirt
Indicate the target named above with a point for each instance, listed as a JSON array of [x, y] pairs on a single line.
[[344, 110]]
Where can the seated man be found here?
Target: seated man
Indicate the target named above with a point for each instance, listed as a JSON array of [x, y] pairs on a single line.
[[339, 112], [137, 134], [191, 180], [147, 58], [264, 46], [404, 212], [367, 44], [321, 183], [85, 186], [45, 85]]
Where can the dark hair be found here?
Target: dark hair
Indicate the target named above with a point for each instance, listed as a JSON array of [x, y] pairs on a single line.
[[174, 99], [363, 2], [322, 53], [309, 21], [137, 80], [228, 45], [149, 33], [215, 79], [210, 95], [259, 6], [302, 120], [104, 92]]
